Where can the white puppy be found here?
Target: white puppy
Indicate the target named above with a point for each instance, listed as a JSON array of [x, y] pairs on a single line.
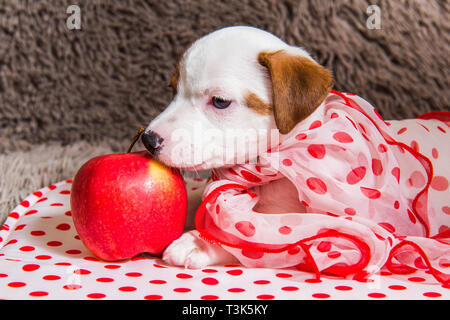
[[236, 90]]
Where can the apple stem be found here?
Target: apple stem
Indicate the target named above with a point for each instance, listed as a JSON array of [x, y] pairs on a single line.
[[135, 139]]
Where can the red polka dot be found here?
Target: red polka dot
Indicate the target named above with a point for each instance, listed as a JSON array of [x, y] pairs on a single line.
[[210, 281], [112, 266], [370, 193], [301, 136], [157, 281], [397, 287], [30, 267], [377, 167], [28, 213], [183, 276], [382, 148], [37, 233], [104, 280], [261, 282], [20, 227], [43, 257], [417, 179], [343, 288], [51, 277], [287, 162], [82, 271], [63, 226], [283, 275], [324, 246], [439, 183], [90, 259], [14, 215], [444, 263], [432, 294], [38, 194], [27, 248], [285, 230], [396, 173], [209, 270], [250, 176], [209, 297], [441, 129], [182, 290], [389, 227], [333, 254], [316, 185], [63, 264], [52, 187], [64, 192], [73, 251], [289, 288], [377, 295], [350, 211], [416, 279], [321, 295], [41, 200], [57, 204], [396, 204], [54, 243], [236, 290], [38, 294], [68, 213], [235, 272], [294, 250], [334, 115], [435, 153], [133, 274], [217, 209], [415, 146], [265, 297], [153, 297], [3, 275], [317, 151], [25, 203], [313, 280], [356, 175], [402, 130], [127, 289], [342, 137], [315, 124], [443, 229], [16, 284], [96, 295], [246, 228]]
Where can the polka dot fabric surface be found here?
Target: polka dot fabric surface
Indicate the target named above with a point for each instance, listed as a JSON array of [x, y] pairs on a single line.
[[374, 193], [41, 257]]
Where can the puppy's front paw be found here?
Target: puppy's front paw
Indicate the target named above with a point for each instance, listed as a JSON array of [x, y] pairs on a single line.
[[188, 251]]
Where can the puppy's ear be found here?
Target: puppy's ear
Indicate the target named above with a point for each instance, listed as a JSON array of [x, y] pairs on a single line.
[[299, 85]]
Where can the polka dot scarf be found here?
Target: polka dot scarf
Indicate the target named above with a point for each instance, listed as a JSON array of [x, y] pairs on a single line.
[[376, 194]]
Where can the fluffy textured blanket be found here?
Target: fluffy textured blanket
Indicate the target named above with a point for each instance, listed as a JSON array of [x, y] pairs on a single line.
[[375, 193]]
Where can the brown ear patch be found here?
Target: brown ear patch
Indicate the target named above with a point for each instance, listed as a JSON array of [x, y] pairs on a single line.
[[299, 85], [254, 102], [175, 78]]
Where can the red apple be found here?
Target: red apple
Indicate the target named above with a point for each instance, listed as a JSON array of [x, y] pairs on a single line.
[[128, 203]]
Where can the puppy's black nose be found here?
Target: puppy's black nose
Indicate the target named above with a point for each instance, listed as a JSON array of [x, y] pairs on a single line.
[[152, 141]]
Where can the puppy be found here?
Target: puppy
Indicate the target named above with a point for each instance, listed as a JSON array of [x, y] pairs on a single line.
[[237, 83], [239, 93]]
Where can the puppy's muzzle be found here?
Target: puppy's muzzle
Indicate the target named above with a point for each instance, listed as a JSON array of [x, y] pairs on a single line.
[[152, 141]]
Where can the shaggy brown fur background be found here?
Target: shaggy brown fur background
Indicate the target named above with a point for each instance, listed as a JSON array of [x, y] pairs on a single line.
[[97, 85]]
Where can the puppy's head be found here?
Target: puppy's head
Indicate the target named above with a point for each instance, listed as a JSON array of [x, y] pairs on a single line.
[[234, 89]]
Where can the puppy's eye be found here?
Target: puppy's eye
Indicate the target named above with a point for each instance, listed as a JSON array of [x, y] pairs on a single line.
[[220, 103]]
